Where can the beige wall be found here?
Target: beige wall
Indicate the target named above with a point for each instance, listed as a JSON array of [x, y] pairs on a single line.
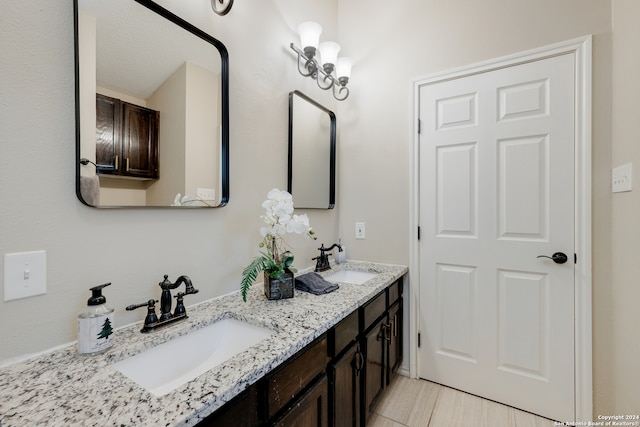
[[392, 46], [202, 128], [170, 100], [87, 77], [134, 248], [619, 360]]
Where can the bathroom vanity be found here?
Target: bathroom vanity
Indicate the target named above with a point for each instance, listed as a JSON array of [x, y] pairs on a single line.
[[336, 380], [329, 357]]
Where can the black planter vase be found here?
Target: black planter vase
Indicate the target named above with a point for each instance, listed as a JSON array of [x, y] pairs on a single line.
[[275, 289]]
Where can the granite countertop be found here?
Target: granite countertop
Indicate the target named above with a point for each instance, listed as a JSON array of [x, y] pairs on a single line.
[[62, 388]]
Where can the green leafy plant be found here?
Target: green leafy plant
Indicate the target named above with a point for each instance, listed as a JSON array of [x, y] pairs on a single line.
[[276, 259]]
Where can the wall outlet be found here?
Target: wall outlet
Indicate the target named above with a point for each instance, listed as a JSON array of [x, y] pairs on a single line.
[[206, 193], [360, 230], [25, 274], [622, 178]]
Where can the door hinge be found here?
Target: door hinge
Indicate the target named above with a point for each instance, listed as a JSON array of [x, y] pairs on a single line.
[[575, 258], [418, 232], [419, 339], [419, 126]]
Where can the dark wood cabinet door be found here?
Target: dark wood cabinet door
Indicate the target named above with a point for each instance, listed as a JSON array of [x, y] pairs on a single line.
[[126, 138], [108, 134], [310, 410], [241, 411], [375, 374], [345, 377], [140, 141], [395, 339]]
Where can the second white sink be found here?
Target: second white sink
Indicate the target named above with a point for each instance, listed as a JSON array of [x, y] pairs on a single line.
[[350, 276], [163, 368]]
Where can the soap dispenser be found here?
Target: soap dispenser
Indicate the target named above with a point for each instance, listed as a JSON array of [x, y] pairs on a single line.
[[95, 324], [341, 255]]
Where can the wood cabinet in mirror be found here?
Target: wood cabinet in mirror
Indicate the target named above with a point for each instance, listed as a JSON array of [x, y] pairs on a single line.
[[169, 134]]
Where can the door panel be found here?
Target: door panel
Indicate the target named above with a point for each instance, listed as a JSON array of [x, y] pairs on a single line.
[[522, 188], [523, 335], [456, 192], [457, 301], [496, 191]]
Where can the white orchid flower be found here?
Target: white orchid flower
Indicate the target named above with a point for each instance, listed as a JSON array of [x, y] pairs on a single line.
[[299, 224]]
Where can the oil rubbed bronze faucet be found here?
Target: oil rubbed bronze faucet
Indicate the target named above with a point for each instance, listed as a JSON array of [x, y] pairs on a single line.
[[151, 321], [322, 260]]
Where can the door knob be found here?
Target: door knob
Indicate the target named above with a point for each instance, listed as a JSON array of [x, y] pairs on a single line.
[[558, 257]]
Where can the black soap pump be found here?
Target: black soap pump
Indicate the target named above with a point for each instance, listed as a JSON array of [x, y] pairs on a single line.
[[95, 324]]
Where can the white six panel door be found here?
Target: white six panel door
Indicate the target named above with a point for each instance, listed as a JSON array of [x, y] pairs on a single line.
[[497, 191]]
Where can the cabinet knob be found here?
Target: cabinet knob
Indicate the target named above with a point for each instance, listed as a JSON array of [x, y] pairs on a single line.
[[386, 332]]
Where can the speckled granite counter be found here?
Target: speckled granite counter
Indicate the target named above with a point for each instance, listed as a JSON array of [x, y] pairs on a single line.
[[62, 388]]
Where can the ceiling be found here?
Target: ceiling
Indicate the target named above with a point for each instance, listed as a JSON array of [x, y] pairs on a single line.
[[137, 50]]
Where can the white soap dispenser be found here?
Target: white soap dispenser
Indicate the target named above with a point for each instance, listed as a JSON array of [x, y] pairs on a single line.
[[95, 324], [341, 255]]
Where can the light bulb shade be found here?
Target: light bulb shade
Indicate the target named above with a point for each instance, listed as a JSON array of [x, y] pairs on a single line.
[[309, 34], [343, 67], [329, 52]]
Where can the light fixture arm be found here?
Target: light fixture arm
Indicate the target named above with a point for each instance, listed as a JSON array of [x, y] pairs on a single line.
[[221, 7], [310, 67], [326, 77], [340, 89]]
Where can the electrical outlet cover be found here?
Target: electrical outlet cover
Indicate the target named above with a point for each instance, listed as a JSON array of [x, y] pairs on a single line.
[[206, 193]]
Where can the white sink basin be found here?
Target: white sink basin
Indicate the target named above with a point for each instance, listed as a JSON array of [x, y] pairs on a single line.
[[350, 276], [167, 366]]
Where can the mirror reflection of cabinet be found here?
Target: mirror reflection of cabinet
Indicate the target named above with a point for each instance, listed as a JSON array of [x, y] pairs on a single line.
[[312, 153], [144, 55], [126, 139]]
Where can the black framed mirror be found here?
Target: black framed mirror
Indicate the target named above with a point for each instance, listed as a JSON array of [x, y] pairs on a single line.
[[312, 153], [152, 108]]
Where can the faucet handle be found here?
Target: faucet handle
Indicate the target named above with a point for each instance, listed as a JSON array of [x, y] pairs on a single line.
[[150, 303], [151, 317], [180, 310]]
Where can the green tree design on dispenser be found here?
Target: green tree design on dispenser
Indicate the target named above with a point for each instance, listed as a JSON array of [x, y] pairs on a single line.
[[106, 329]]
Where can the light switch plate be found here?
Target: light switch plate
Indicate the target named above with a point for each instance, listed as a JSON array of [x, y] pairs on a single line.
[[622, 178], [360, 230], [25, 274]]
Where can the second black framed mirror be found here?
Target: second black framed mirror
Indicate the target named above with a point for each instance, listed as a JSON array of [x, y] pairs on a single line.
[[312, 153]]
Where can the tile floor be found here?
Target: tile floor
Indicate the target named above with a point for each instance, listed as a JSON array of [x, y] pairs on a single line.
[[419, 403]]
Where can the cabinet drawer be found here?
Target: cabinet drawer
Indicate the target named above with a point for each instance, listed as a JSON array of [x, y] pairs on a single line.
[[343, 334], [374, 309], [294, 376]]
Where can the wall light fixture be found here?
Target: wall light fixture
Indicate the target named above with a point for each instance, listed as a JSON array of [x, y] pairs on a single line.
[[320, 61], [221, 7]]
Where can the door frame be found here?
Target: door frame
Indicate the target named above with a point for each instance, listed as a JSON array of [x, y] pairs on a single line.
[[581, 47]]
